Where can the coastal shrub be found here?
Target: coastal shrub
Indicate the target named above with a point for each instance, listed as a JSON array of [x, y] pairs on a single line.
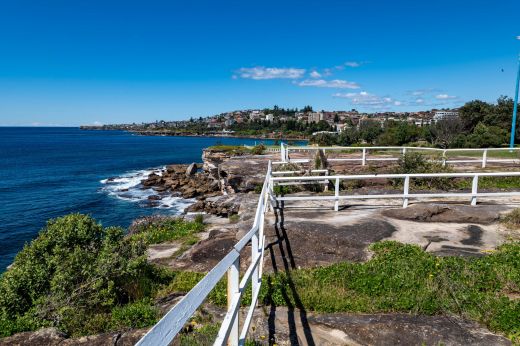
[[139, 314], [413, 162], [74, 273]]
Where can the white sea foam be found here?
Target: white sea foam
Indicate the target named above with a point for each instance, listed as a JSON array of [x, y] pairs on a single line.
[[128, 187]]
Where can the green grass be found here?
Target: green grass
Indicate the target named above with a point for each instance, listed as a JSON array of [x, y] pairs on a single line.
[[505, 154], [234, 218], [169, 229], [399, 278], [231, 149], [488, 183]]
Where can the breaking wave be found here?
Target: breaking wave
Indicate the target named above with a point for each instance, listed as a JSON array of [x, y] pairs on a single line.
[[128, 187]]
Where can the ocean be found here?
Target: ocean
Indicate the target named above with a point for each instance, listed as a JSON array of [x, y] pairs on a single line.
[[49, 172]]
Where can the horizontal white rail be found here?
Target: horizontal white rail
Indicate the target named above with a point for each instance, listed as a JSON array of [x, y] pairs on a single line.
[[365, 151], [405, 195], [168, 327]]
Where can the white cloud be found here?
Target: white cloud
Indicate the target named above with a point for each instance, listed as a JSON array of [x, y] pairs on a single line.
[[335, 83], [419, 100], [315, 74], [417, 92], [327, 72], [97, 123], [353, 63], [260, 72], [444, 97], [364, 98]]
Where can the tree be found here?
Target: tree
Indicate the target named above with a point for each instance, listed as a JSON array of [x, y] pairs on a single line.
[[348, 137], [336, 118], [323, 139], [474, 112], [307, 109], [445, 131], [487, 137], [369, 130]]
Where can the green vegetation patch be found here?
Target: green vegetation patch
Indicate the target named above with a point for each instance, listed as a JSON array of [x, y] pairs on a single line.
[[156, 230], [399, 278]]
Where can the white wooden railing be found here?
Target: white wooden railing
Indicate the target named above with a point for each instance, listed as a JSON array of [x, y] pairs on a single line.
[[171, 323], [364, 154], [405, 195]]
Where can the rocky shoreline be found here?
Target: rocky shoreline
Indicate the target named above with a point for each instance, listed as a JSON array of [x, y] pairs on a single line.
[[214, 183]]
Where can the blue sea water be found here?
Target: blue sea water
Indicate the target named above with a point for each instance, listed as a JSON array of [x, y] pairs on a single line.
[[49, 172]]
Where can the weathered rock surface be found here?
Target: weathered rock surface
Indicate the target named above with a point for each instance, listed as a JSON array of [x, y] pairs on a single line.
[[294, 244], [292, 326], [446, 213], [46, 336], [52, 337], [220, 205]]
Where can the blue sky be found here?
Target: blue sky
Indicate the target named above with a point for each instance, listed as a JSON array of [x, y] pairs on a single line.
[[83, 62]]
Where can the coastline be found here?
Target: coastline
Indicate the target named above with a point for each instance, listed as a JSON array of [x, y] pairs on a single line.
[[206, 135]]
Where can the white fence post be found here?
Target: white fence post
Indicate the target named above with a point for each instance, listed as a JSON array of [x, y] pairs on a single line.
[[336, 194], [233, 279], [364, 159], [444, 158], [254, 254], [484, 158], [406, 190], [404, 151], [474, 189]]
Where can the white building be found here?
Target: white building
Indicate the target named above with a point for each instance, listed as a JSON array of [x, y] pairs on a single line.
[[441, 115], [315, 117], [269, 117]]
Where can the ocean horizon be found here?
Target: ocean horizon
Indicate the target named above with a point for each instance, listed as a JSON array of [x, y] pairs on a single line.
[[47, 172]]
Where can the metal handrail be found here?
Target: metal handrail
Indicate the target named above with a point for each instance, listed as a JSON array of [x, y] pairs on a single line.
[[284, 153], [171, 324], [405, 195]]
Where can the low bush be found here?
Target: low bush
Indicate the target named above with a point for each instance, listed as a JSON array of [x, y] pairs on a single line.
[[417, 163]]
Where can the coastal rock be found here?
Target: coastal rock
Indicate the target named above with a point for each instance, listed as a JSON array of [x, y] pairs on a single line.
[[191, 170], [220, 205]]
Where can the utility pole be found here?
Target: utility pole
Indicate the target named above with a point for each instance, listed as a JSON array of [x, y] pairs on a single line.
[[515, 106]]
